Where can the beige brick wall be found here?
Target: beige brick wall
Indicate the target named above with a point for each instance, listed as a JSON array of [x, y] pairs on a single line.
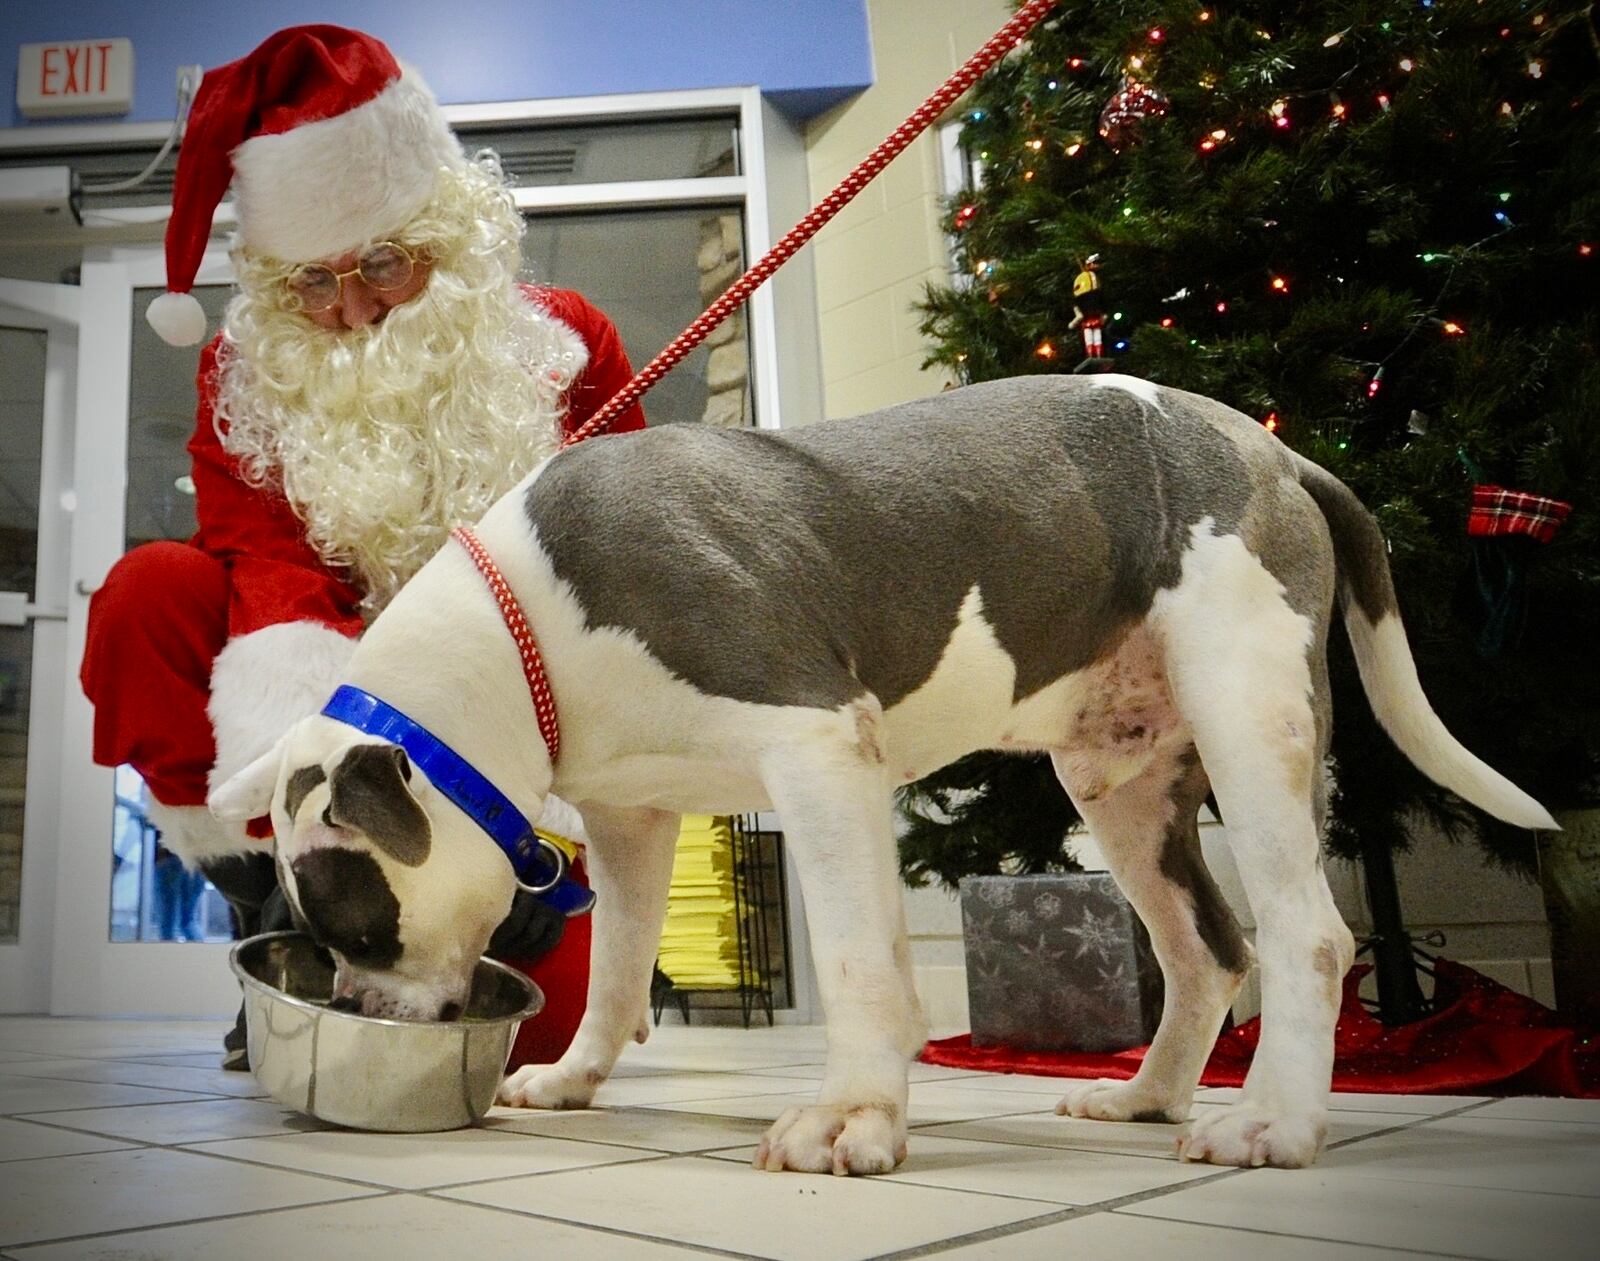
[[874, 258]]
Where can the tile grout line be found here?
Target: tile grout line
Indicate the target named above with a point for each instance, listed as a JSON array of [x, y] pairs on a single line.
[[644, 1158], [34, 1118], [138, 1144], [1343, 1243], [646, 1155], [1421, 1120], [697, 1248], [107, 1107], [1030, 1224], [1106, 1206], [127, 1085], [192, 1221]]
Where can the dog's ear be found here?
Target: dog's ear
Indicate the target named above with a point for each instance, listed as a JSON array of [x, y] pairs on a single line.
[[370, 793], [247, 795]]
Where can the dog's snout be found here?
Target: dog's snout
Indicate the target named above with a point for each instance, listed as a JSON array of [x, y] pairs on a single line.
[[345, 1002], [450, 1011]]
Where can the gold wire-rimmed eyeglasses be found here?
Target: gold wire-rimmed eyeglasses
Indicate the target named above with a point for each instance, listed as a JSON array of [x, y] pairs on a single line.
[[313, 287]]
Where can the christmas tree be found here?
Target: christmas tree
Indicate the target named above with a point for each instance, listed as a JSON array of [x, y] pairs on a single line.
[[1373, 225]]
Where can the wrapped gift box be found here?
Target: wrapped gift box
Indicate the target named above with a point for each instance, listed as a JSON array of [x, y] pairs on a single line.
[[1057, 963]]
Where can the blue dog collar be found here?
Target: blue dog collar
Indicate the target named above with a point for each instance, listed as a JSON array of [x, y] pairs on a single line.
[[540, 867]]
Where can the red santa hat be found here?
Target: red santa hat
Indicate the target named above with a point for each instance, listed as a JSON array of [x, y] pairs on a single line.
[[328, 142]]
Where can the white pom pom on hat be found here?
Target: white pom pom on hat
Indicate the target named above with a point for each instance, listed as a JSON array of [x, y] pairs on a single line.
[[178, 318], [327, 140]]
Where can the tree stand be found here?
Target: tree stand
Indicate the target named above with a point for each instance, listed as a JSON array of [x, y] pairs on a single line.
[[1396, 956]]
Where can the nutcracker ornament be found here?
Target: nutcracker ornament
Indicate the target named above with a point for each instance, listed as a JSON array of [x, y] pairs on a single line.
[[1089, 313]]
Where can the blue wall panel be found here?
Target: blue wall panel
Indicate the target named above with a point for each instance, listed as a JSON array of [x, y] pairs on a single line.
[[806, 54]]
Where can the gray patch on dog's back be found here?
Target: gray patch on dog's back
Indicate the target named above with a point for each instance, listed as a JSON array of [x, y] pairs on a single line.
[[301, 782], [806, 567], [347, 905], [370, 794]]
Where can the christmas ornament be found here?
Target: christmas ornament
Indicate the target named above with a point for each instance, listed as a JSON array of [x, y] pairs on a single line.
[[1122, 121], [1089, 308], [1506, 528]]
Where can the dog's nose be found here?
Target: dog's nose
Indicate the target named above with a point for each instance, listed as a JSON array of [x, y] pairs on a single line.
[[345, 1002], [450, 1011]]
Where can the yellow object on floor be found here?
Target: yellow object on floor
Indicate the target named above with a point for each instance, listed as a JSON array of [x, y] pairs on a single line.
[[700, 943]]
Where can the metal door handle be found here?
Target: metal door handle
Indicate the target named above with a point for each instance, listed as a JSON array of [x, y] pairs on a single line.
[[17, 610]]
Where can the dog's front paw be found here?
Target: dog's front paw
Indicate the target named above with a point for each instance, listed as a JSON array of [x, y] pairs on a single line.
[[1249, 1135], [835, 1138], [1110, 1100], [548, 1086]]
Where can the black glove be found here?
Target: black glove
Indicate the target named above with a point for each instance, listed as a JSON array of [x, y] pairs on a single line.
[[531, 930], [245, 881]]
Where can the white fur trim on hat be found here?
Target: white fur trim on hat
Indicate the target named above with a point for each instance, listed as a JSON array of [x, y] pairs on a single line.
[[265, 682], [324, 188]]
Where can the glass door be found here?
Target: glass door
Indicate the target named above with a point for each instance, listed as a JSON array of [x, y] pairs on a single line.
[[38, 377], [133, 933]]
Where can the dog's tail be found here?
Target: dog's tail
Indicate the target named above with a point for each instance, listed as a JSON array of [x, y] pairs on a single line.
[[1388, 673]]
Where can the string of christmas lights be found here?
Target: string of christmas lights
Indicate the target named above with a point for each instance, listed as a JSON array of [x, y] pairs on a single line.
[[1139, 100]]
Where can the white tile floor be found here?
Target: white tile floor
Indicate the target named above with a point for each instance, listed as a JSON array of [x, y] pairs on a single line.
[[122, 1139]]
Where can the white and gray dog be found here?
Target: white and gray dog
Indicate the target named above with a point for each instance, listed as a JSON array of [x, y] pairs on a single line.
[[1134, 579]]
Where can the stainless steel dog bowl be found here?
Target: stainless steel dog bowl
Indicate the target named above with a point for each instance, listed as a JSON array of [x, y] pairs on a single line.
[[366, 1073]]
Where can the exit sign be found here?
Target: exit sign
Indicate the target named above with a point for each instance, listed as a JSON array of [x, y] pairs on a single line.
[[81, 76]]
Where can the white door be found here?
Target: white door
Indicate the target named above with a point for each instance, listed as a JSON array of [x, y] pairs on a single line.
[[130, 937], [38, 377]]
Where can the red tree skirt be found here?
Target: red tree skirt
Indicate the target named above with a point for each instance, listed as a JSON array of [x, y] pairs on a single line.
[[1483, 1039]]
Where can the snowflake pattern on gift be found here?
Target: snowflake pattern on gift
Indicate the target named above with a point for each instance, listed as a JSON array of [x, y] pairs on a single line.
[[1098, 933], [1039, 952], [997, 892], [1114, 976], [1056, 963]]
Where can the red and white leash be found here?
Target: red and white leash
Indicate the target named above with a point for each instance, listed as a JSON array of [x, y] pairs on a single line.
[[1003, 40], [544, 704]]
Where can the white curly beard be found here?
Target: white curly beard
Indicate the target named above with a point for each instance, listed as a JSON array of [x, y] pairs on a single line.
[[384, 438]]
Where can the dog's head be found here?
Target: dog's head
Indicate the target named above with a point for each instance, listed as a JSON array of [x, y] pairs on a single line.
[[384, 872]]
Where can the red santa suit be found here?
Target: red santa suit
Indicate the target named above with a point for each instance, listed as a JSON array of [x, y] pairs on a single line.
[[250, 582]]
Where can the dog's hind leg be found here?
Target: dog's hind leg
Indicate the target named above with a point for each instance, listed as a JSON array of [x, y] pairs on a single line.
[[1240, 664], [1147, 831], [629, 860], [832, 792]]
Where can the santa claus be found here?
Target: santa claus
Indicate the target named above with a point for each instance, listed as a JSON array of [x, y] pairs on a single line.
[[379, 378]]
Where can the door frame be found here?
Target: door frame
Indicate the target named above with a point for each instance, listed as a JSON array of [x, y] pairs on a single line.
[[91, 974], [25, 964]]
